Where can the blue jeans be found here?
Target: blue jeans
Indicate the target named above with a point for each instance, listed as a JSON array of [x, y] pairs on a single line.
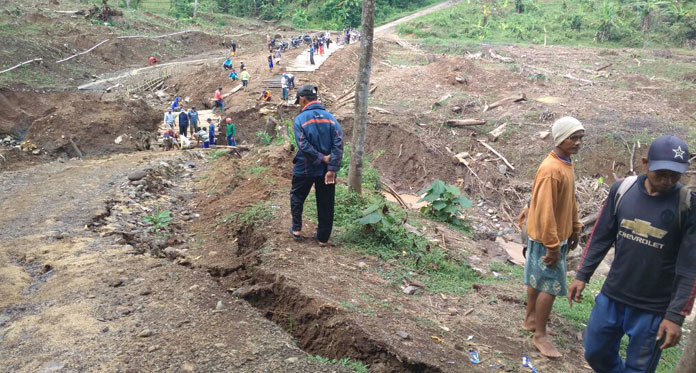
[[206, 145], [245, 83], [285, 93], [609, 321], [231, 141]]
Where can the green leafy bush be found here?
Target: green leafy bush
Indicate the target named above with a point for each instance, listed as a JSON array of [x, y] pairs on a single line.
[[446, 202], [159, 219], [264, 137]]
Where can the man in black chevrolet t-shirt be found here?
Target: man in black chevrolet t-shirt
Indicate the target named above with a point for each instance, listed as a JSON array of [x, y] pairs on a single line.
[[652, 281]]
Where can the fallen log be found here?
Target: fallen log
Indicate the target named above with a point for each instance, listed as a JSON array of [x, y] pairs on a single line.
[[396, 195], [603, 67], [380, 110], [471, 56], [71, 12], [85, 52], [500, 58], [496, 153], [516, 98], [21, 64], [589, 219], [493, 135], [465, 122], [351, 98], [571, 77]]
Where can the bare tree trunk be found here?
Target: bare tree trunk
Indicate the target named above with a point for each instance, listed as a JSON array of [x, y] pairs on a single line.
[[688, 358], [128, 4], [195, 8], [361, 96]]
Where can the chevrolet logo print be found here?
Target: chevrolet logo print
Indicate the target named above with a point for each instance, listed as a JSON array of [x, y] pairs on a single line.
[[643, 228]]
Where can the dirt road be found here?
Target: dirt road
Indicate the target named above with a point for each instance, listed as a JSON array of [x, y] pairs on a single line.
[[383, 30], [76, 296]]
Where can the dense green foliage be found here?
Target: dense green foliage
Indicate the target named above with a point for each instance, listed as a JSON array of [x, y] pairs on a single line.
[[326, 14], [612, 22], [319, 14]]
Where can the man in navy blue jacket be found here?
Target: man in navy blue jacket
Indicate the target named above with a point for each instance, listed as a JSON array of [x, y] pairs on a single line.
[[320, 151], [651, 221]]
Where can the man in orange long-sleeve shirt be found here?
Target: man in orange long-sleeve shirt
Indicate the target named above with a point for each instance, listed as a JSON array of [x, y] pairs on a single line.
[[553, 228]]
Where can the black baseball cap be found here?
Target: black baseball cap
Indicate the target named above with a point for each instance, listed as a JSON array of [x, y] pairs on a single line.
[[668, 153], [306, 90]]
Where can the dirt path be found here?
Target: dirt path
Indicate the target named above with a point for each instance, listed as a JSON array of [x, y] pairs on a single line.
[[76, 295]]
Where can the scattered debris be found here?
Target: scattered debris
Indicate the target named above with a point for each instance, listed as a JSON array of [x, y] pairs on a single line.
[[544, 134], [402, 334]]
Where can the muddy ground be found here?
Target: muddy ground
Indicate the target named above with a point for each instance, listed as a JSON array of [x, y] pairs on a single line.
[[87, 284]]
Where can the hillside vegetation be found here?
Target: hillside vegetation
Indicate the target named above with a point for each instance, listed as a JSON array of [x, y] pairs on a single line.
[[324, 14], [576, 22]]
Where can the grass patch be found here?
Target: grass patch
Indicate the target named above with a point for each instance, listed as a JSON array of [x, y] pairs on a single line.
[[258, 214], [390, 241], [215, 154], [256, 170], [412, 254], [356, 366]]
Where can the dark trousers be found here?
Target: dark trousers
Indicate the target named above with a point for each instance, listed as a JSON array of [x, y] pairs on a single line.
[[182, 130], [325, 195], [608, 323]]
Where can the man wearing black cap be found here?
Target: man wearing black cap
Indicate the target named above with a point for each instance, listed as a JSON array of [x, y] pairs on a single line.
[[651, 221], [320, 150]]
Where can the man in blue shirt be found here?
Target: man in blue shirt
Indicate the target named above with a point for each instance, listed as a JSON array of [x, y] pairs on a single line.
[[651, 221], [320, 151]]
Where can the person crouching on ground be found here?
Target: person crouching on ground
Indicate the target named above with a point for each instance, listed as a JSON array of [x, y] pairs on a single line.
[[203, 137], [553, 229], [650, 220], [320, 151]]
